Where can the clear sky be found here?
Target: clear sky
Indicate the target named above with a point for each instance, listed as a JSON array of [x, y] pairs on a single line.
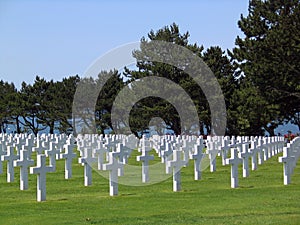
[[56, 39]]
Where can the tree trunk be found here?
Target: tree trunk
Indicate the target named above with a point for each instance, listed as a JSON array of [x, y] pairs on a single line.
[[208, 130], [74, 126], [18, 125], [271, 130], [201, 126], [35, 131], [51, 125]]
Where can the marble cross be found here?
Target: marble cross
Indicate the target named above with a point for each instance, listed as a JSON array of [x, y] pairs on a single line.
[[113, 167], [234, 161], [287, 159], [24, 163], [245, 155], [41, 169], [10, 157], [69, 155], [177, 163], [87, 160], [145, 158], [2, 153], [197, 156]]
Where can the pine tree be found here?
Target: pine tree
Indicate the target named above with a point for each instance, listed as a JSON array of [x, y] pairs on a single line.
[[268, 56]]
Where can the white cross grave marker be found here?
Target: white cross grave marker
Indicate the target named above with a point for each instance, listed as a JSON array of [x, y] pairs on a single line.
[[113, 166], [161, 146], [271, 141], [245, 155], [260, 147], [38, 148], [187, 147], [52, 154], [2, 153], [86, 160], [145, 158], [24, 163], [101, 153], [17, 144], [68, 156], [41, 169], [131, 141], [287, 159], [266, 149], [29, 144], [224, 149], [10, 157], [234, 161], [123, 153], [212, 153], [254, 150], [197, 157], [166, 153], [110, 143], [177, 163]]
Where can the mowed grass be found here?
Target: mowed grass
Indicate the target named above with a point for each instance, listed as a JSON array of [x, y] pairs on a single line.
[[261, 199]]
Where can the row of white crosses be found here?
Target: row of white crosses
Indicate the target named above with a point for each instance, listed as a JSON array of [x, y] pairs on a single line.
[[144, 148], [17, 151], [111, 153], [8, 145], [259, 149], [115, 150], [175, 152], [291, 154]]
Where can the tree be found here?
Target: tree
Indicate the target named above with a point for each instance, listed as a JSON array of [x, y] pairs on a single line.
[[268, 56], [109, 91], [151, 107], [220, 65], [55, 101], [31, 99], [45, 105], [8, 101], [65, 91], [93, 102]]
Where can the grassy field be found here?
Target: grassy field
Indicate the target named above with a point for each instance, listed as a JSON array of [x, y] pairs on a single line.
[[261, 199]]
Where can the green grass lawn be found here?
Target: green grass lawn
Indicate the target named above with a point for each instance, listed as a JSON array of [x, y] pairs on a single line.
[[261, 199]]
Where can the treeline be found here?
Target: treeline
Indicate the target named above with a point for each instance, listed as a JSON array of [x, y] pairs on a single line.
[[34, 108], [259, 79]]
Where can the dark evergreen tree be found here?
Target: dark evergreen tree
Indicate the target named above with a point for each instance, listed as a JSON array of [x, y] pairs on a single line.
[[33, 105], [151, 107], [8, 105], [268, 56]]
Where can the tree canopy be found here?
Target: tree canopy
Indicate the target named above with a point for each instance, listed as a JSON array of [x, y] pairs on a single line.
[[268, 59]]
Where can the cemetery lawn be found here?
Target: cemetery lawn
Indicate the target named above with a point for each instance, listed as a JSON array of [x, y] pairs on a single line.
[[261, 199]]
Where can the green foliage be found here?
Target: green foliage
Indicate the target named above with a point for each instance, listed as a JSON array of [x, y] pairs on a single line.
[[106, 99], [268, 56], [48, 104], [8, 101], [94, 99], [155, 107], [45, 104]]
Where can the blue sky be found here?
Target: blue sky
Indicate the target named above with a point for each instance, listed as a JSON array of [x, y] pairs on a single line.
[[56, 39]]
